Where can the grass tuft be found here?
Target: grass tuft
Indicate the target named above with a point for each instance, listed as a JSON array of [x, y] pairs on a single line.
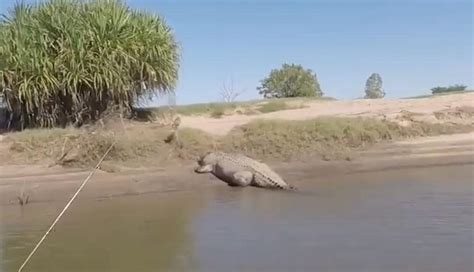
[[272, 106], [217, 113]]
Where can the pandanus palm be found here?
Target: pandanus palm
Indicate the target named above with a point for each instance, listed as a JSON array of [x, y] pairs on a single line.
[[67, 61]]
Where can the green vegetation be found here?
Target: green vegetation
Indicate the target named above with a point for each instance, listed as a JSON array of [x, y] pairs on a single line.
[[290, 81], [439, 94], [215, 110], [68, 61], [450, 89], [277, 105], [244, 107], [143, 144], [329, 136], [373, 87], [206, 108]]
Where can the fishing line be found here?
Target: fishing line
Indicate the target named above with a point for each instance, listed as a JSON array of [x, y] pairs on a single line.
[[66, 207]]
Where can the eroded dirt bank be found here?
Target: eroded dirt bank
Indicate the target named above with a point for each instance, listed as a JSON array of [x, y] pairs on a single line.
[[44, 184]]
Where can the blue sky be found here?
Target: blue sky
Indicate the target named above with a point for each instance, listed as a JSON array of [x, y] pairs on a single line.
[[414, 45]]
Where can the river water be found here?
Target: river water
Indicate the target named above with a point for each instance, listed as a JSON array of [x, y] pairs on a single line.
[[404, 220]]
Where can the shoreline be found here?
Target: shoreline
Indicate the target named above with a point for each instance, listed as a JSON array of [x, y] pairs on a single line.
[[330, 129], [54, 184]]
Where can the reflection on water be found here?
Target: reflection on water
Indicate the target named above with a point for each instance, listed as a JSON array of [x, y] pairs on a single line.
[[124, 234], [412, 220]]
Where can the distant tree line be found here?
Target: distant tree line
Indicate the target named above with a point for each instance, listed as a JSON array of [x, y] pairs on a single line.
[[452, 88], [293, 80]]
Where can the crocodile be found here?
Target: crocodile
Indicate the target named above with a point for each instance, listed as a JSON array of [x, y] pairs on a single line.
[[240, 170]]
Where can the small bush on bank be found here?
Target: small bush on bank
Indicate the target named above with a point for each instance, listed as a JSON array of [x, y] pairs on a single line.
[[450, 89]]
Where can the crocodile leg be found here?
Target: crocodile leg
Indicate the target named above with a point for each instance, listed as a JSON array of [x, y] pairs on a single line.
[[203, 169], [242, 178]]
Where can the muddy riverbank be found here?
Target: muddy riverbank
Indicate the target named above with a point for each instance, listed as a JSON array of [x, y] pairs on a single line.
[[45, 184]]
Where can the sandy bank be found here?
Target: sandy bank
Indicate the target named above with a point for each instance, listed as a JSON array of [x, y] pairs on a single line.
[[431, 109], [58, 184]]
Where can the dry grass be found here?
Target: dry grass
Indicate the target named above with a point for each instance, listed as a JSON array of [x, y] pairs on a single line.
[[84, 147], [277, 105], [144, 144], [326, 137], [217, 113], [218, 109], [208, 108]]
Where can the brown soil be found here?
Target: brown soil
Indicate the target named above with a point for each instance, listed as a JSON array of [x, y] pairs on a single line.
[[58, 184]]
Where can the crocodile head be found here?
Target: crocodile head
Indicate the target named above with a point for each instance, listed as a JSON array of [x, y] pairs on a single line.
[[206, 163]]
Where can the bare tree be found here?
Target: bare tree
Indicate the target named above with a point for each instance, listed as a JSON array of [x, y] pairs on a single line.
[[229, 93]]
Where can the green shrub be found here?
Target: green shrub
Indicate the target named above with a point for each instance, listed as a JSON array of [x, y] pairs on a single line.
[[68, 61], [452, 88]]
